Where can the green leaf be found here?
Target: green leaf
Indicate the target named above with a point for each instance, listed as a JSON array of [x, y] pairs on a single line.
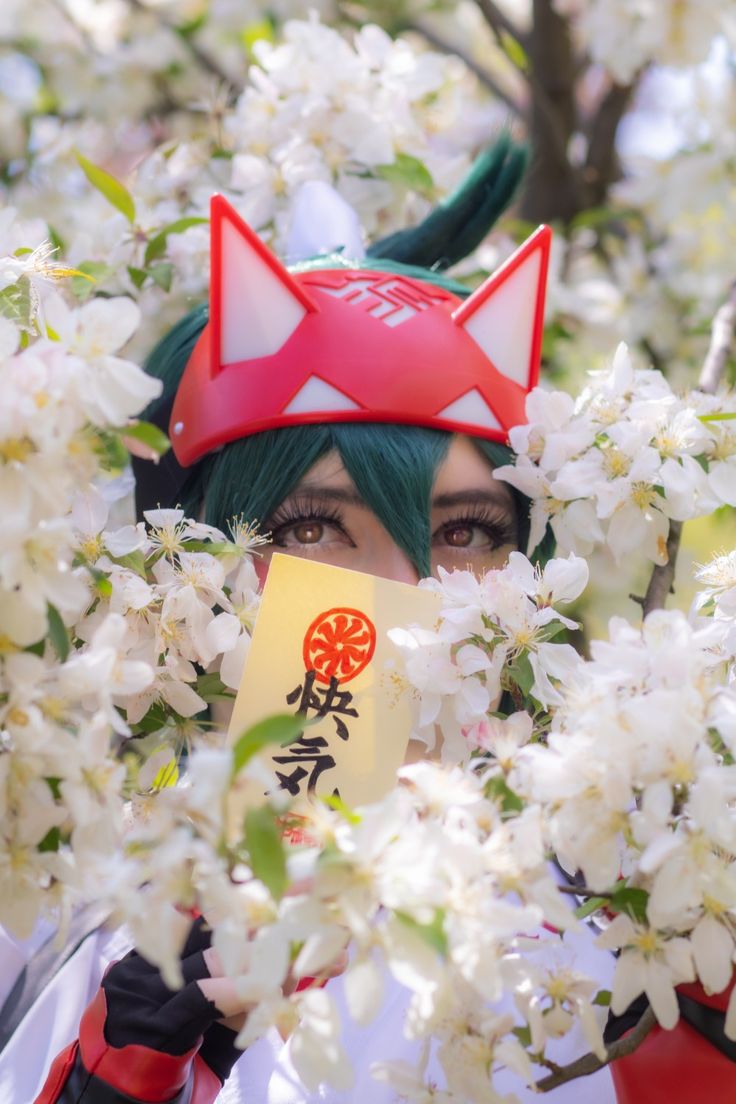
[[523, 1034], [138, 276], [632, 901], [157, 244], [134, 561], [499, 790], [409, 172], [215, 548], [162, 275], [113, 191], [334, 801], [16, 302], [103, 586], [590, 906], [50, 841], [212, 688], [56, 240], [91, 271], [191, 26], [522, 674], [433, 933], [261, 30], [514, 51], [283, 728], [722, 416], [602, 997], [54, 784], [57, 632], [149, 435], [265, 848], [114, 456], [154, 720], [551, 630]]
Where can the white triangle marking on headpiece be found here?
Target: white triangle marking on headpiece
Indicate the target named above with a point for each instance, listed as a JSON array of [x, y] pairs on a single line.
[[503, 326], [259, 313], [504, 316], [316, 396], [471, 409]]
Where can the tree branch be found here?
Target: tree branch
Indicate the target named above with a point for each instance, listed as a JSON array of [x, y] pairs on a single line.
[[487, 80], [601, 163], [499, 22], [203, 59], [714, 365], [663, 575], [721, 342], [590, 1064], [554, 186]]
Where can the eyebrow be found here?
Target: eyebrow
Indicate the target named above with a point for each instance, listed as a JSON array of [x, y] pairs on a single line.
[[471, 497], [348, 496]]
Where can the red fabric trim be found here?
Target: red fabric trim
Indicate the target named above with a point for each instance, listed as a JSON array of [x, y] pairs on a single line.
[[309, 982], [206, 1084], [136, 1070], [61, 1067], [696, 992], [675, 1067]]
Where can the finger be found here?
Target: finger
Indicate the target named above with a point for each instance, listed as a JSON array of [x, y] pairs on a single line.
[[223, 994], [213, 962]]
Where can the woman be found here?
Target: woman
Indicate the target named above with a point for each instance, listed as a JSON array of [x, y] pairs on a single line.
[[358, 412]]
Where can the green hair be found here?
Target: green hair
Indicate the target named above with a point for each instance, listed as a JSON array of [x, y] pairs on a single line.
[[393, 466]]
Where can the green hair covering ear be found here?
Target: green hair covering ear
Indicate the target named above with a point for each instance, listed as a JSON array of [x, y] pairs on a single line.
[[459, 224]]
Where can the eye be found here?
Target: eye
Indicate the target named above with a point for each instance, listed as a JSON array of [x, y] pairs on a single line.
[[463, 536], [475, 534], [304, 525], [308, 532]]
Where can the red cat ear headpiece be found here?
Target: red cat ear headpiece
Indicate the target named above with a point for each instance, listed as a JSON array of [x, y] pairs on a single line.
[[354, 345]]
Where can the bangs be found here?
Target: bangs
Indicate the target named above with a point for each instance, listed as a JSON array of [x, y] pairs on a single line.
[[393, 468]]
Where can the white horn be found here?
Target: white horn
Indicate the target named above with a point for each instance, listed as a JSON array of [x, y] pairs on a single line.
[[255, 304], [505, 315]]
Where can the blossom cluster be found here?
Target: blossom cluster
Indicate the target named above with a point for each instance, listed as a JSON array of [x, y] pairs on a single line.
[[106, 632], [626, 37], [129, 206], [438, 895], [623, 772], [495, 634], [636, 783], [618, 464]]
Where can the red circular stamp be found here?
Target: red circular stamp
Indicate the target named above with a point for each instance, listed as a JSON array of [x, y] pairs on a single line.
[[339, 644]]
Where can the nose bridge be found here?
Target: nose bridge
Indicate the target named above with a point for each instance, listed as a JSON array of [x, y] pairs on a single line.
[[393, 563]]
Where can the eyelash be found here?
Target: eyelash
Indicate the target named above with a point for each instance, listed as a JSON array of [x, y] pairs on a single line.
[[497, 526], [300, 512], [500, 529]]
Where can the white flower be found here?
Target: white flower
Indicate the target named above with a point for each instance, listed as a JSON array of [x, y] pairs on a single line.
[[315, 1049], [649, 963], [111, 389], [713, 953]]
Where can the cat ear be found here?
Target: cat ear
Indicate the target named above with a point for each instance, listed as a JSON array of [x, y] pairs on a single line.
[[505, 315], [255, 305]]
